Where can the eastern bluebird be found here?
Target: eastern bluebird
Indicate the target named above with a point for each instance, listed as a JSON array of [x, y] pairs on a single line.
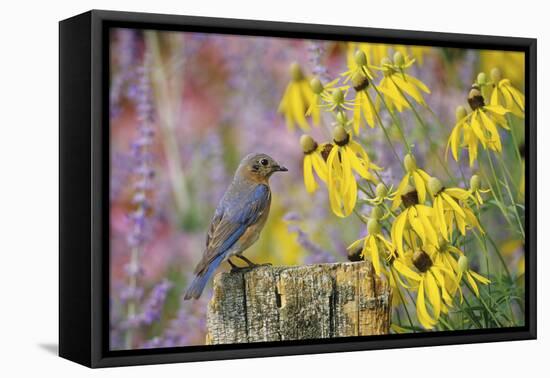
[[238, 219]]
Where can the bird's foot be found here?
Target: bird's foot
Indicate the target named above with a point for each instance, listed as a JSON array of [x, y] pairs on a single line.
[[240, 269], [251, 264], [259, 265]]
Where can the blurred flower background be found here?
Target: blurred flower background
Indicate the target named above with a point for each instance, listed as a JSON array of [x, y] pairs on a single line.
[[186, 107]]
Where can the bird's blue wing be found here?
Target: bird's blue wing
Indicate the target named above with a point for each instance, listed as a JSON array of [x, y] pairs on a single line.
[[233, 220]]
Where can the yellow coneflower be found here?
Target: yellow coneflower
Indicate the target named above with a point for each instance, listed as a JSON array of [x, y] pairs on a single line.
[[419, 179], [344, 158], [514, 100], [415, 221], [430, 278], [321, 95], [446, 255], [337, 101], [297, 99], [396, 83], [357, 63], [314, 161], [450, 205], [480, 126], [375, 245]]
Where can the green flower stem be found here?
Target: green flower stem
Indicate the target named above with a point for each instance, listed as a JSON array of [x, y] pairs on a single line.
[[395, 121], [470, 313], [445, 323], [426, 130], [403, 301], [487, 237], [385, 132], [511, 196], [480, 298], [514, 139], [442, 127], [497, 195]]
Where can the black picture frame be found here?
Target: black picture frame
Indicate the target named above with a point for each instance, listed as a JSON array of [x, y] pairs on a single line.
[[84, 170]]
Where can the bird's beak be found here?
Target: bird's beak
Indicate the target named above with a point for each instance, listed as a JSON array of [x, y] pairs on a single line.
[[279, 168]]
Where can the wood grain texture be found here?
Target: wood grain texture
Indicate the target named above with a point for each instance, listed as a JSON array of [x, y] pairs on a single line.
[[295, 303]]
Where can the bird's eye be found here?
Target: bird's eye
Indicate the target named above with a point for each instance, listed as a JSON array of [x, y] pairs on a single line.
[[264, 162]]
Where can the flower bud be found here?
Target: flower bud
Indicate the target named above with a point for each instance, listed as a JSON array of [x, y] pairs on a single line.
[[338, 96], [308, 144], [316, 85], [460, 112], [474, 92], [496, 75], [410, 163], [434, 185], [481, 78], [398, 59], [360, 58], [340, 135], [376, 213], [359, 81], [296, 72], [475, 183], [373, 226], [381, 190], [462, 263]]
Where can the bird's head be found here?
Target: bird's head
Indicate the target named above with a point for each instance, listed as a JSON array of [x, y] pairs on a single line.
[[259, 167]]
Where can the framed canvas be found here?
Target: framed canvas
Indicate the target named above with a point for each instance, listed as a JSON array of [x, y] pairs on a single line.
[[234, 188]]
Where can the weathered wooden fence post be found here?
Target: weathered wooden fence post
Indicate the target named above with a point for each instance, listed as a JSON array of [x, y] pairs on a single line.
[[303, 302]]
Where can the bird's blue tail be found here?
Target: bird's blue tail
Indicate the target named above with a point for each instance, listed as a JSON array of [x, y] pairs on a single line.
[[199, 282]]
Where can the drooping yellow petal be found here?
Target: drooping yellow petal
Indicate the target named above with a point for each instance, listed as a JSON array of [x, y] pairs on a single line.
[[298, 107], [480, 278], [431, 234], [420, 186], [320, 166], [368, 110], [421, 311], [433, 294], [355, 245], [399, 226], [459, 193], [457, 209], [407, 87], [472, 283], [406, 271], [454, 141], [497, 109], [440, 216], [417, 225], [309, 180], [476, 128]]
